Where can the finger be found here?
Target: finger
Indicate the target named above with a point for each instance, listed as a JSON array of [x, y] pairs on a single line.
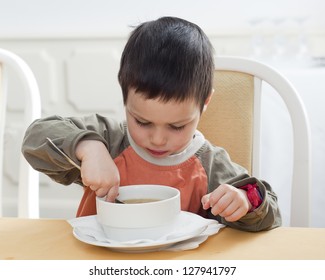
[[236, 215], [112, 194], [101, 192], [218, 193], [220, 205], [206, 201], [229, 210], [92, 187]]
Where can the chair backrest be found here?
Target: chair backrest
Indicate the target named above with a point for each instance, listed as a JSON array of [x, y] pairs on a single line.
[[233, 117], [28, 188]]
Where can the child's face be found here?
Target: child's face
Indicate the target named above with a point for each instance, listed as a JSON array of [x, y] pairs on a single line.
[[160, 128]]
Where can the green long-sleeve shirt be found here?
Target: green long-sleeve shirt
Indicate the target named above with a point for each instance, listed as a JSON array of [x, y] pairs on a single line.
[[198, 170]]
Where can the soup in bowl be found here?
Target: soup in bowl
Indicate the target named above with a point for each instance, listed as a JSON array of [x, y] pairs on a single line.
[[146, 212]]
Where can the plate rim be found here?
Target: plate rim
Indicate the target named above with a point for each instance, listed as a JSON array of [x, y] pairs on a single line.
[[143, 247]]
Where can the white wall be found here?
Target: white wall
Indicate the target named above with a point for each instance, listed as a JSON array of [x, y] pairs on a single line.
[[98, 17]]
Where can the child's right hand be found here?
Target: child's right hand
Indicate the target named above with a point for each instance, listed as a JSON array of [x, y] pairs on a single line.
[[98, 170]]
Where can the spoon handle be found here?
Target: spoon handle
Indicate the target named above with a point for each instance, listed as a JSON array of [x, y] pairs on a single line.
[[63, 153]]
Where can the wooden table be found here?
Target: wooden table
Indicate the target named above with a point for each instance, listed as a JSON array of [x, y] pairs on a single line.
[[52, 239]]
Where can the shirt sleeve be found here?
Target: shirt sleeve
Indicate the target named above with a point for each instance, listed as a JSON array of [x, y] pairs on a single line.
[[221, 170], [66, 133]]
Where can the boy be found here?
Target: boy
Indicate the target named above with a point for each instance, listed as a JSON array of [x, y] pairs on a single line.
[[166, 75]]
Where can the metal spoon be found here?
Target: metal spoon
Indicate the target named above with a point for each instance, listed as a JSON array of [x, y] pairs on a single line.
[[63, 153], [71, 161]]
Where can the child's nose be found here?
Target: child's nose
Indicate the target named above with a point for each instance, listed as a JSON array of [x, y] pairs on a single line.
[[158, 137]]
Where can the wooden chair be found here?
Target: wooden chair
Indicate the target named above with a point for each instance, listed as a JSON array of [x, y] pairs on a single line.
[[232, 120], [28, 189]]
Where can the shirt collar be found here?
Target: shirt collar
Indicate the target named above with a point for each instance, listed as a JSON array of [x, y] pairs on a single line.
[[196, 143]]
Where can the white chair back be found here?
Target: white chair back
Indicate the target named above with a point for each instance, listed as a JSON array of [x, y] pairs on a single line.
[[244, 147], [28, 189]]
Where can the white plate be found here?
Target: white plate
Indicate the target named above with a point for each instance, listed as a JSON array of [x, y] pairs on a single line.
[[190, 225]]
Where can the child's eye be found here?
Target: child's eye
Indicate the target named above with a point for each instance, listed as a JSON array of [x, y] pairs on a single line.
[[140, 123], [177, 128]]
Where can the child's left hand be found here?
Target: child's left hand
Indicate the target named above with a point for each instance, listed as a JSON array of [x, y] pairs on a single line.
[[228, 202]]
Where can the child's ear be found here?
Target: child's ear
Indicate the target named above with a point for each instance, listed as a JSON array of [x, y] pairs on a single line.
[[207, 101]]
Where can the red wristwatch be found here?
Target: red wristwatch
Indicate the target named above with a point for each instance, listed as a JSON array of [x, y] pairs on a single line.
[[253, 194]]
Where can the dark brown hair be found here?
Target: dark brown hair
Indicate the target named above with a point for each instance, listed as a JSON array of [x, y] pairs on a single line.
[[169, 59]]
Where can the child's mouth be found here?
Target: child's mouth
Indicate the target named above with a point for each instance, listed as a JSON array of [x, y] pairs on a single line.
[[156, 153]]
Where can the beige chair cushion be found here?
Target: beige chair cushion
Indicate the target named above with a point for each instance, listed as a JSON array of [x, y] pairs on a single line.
[[228, 120]]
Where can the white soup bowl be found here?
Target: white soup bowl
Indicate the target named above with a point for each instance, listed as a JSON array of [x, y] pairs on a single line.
[[141, 220]]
